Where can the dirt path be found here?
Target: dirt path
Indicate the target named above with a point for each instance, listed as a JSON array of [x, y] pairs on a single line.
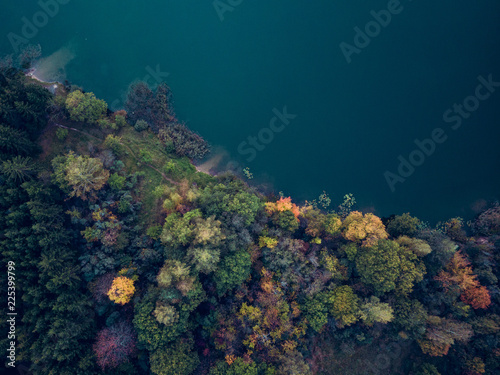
[[124, 145]]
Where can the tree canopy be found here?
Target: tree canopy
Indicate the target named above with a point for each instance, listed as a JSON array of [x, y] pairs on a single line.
[[85, 107]]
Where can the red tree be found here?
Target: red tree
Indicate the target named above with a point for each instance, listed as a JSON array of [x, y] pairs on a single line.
[[115, 345], [477, 297]]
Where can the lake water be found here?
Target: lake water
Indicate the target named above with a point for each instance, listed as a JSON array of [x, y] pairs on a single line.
[[234, 68]]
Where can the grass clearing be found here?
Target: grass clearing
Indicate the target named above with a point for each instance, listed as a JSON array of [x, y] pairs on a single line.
[[140, 152]]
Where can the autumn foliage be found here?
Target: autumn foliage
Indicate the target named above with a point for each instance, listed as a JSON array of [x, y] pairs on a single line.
[[459, 273], [434, 349], [477, 297], [121, 290], [267, 242], [442, 334], [114, 345], [368, 228], [270, 324], [283, 204], [230, 359]]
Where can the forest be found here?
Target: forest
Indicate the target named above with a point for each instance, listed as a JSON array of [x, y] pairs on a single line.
[[129, 261]]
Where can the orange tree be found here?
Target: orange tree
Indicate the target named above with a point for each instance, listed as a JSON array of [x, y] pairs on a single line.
[[459, 277]]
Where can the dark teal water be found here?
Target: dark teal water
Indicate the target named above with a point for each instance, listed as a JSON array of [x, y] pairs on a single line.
[[353, 120]]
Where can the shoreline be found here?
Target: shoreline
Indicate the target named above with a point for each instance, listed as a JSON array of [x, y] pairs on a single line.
[[209, 165], [214, 165], [205, 167], [51, 86]]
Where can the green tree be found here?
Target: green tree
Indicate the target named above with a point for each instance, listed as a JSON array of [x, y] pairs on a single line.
[[387, 267], [486, 325], [166, 314], [145, 156], [315, 222], [319, 224], [238, 367], [85, 175], [232, 199], [333, 265], [411, 316], [285, 220], [333, 223], [403, 225], [177, 274], [113, 143], [316, 311], [207, 232], [204, 259], [24, 105], [141, 125], [15, 141], [105, 123], [417, 246], [374, 311], [350, 250], [58, 325], [18, 169], [178, 358], [343, 304], [85, 107], [152, 334], [233, 270], [427, 369], [120, 121], [178, 230], [117, 182], [442, 247], [61, 134]]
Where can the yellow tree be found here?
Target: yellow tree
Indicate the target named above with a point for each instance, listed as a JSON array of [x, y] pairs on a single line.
[[121, 290], [368, 228]]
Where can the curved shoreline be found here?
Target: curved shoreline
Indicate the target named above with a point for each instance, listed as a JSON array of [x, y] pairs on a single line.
[[51, 86]]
